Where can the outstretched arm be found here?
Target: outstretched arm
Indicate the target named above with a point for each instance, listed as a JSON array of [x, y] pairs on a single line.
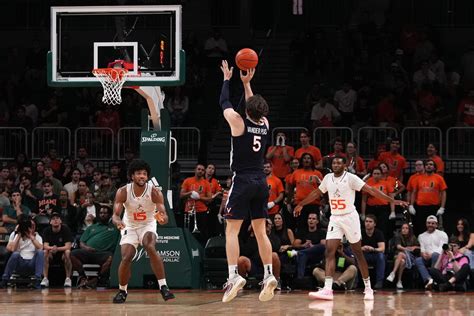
[[379, 194], [315, 194], [232, 117], [246, 82]]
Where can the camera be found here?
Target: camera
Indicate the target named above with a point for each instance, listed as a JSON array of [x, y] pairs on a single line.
[[445, 247]]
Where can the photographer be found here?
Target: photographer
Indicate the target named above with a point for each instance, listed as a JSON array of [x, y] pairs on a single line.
[[280, 155], [452, 268], [27, 255]]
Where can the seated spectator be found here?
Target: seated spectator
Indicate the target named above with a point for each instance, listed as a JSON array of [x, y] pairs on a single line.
[[464, 236], [116, 175], [423, 75], [432, 153], [465, 115], [324, 114], [250, 263], [88, 212], [338, 148], [97, 246], [428, 105], [57, 248], [307, 148], [55, 162], [12, 212], [79, 197], [82, 159], [451, 270], [396, 184], [285, 235], [20, 119], [106, 193], [406, 245], [345, 275], [48, 174], [355, 164], [280, 155], [310, 244], [67, 211], [373, 247], [88, 174], [71, 187], [48, 202], [385, 111], [39, 172], [26, 246], [381, 209], [376, 159], [178, 106], [65, 170], [29, 194], [431, 246], [4, 173], [94, 186]]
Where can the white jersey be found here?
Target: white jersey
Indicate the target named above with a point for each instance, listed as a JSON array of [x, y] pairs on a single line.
[[341, 191], [139, 210]]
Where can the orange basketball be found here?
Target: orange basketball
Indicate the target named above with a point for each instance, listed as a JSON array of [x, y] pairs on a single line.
[[246, 58]]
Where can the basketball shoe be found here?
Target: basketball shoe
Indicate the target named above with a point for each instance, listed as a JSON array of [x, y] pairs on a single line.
[[232, 287], [322, 294], [268, 286]]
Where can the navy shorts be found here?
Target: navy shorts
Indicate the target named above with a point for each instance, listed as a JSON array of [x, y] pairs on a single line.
[[248, 197]]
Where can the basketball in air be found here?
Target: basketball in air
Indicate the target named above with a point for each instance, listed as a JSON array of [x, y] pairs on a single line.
[[246, 58]]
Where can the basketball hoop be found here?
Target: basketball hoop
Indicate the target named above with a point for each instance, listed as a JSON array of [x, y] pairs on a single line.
[[112, 80]]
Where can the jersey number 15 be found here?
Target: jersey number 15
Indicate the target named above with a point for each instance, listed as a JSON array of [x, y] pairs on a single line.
[[139, 216]]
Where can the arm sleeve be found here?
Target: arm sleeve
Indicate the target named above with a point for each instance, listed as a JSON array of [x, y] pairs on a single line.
[[224, 98]]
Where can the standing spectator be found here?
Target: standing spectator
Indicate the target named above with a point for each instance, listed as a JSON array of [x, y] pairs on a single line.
[[451, 270], [396, 162], [67, 211], [373, 247], [12, 212], [280, 156], [432, 153], [197, 192], [302, 182], [309, 243], [429, 195], [419, 170], [406, 244], [108, 118], [71, 187], [57, 247], [324, 114], [48, 175], [431, 246], [29, 194], [381, 209], [27, 255], [178, 106], [338, 148], [307, 148], [345, 100], [82, 159], [355, 164], [275, 190], [97, 246], [466, 110], [376, 159], [48, 203]]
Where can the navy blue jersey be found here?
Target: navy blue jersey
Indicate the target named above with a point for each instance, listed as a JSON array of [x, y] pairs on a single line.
[[248, 150]]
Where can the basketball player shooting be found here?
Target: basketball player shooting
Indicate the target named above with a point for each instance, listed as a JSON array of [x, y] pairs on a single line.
[[144, 206], [341, 186], [248, 195]]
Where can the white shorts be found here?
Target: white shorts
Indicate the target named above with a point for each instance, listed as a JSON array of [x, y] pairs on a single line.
[[344, 225], [134, 236]]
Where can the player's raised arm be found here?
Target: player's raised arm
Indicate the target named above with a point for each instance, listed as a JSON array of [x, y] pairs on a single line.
[[120, 198], [315, 194], [232, 117], [246, 78], [157, 198], [379, 194]]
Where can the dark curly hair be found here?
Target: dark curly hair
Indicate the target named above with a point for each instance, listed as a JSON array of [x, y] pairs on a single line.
[[256, 107], [137, 165]]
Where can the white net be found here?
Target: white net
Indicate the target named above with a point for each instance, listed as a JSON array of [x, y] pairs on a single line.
[[112, 80]]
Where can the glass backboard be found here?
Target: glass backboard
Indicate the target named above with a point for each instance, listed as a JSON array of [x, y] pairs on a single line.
[[88, 37]]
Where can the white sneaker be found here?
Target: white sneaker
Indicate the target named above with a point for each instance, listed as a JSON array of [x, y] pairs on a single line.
[[232, 287], [268, 286], [368, 294], [429, 285], [391, 277], [322, 294], [67, 282], [44, 282], [399, 285]]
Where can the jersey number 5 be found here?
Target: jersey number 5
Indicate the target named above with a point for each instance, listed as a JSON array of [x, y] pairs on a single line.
[[256, 143], [139, 216]]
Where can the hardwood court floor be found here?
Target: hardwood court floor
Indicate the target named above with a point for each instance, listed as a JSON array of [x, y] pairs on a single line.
[[148, 302]]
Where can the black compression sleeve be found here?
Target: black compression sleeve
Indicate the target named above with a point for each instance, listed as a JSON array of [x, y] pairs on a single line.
[[224, 98]]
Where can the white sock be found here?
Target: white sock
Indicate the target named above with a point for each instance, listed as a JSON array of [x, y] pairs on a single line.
[[328, 283], [268, 270], [123, 287], [233, 271], [367, 282], [161, 282]]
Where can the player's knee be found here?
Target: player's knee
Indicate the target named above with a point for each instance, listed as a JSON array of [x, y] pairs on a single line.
[[127, 258]]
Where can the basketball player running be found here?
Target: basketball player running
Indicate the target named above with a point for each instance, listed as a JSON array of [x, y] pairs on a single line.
[[341, 186], [248, 195], [144, 206]]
